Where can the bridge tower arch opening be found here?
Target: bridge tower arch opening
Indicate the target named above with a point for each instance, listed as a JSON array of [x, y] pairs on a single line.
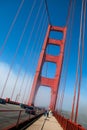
[[42, 98], [39, 80]]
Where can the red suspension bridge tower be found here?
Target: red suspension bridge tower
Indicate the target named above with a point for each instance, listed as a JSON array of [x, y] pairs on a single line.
[[53, 83]]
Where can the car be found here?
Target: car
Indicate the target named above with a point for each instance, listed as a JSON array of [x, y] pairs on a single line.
[[22, 105], [2, 101], [30, 110]]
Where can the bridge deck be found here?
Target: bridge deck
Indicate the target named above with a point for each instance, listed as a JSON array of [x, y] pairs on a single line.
[[45, 124], [9, 118]]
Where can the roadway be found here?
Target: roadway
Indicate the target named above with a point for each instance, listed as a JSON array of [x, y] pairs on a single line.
[[9, 115]]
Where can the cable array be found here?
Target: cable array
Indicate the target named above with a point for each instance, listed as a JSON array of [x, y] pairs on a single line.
[[66, 58], [47, 11], [31, 53], [30, 81], [11, 27], [26, 50], [80, 56], [18, 47], [69, 39], [34, 52]]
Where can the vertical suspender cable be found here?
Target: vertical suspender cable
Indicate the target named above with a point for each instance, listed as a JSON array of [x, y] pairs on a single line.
[[19, 43], [31, 53], [82, 38], [29, 81], [47, 12], [83, 34], [68, 56], [67, 23], [11, 27], [77, 67], [81, 59], [38, 56], [26, 50], [68, 16], [33, 61]]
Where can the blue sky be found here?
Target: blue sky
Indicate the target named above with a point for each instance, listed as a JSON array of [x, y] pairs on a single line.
[[58, 11]]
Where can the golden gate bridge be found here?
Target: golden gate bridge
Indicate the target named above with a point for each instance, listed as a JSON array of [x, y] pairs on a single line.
[[20, 86]]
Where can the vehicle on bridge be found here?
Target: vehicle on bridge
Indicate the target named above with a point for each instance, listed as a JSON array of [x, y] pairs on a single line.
[[2, 101], [30, 110]]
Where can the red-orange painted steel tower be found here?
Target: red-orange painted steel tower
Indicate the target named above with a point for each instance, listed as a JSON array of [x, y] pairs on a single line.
[[58, 60]]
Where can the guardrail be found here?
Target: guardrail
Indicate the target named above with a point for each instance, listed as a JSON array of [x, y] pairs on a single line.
[[6, 115], [15, 119], [66, 124]]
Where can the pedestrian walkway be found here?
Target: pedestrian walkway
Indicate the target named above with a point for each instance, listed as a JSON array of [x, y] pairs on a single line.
[[45, 124]]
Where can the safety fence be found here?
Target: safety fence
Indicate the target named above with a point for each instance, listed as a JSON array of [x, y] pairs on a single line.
[[66, 124], [12, 119]]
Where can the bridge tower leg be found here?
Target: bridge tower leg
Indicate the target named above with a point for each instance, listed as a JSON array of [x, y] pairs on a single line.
[[58, 60]]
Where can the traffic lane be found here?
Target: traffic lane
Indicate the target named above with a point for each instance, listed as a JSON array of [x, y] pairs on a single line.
[[10, 118]]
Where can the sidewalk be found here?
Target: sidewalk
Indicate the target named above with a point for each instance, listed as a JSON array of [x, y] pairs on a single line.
[[45, 124]]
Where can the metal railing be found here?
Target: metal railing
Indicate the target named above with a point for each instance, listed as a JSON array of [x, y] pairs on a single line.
[[12, 118], [66, 124]]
